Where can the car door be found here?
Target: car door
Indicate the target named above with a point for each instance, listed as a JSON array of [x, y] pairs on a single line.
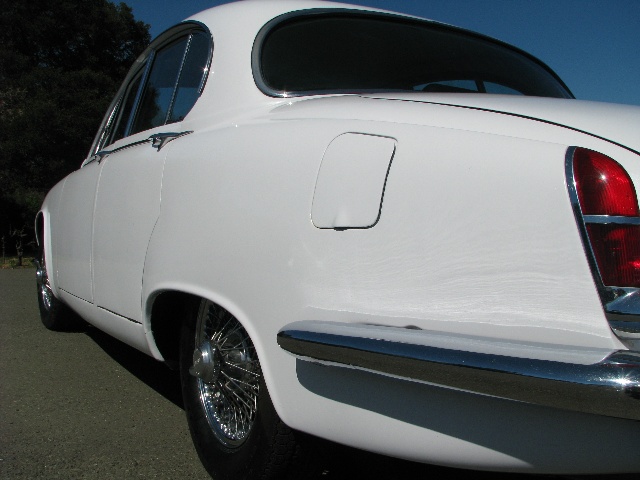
[[127, 202], [73, 232]]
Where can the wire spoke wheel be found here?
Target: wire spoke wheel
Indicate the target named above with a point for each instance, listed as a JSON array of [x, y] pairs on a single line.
[[44, 287], [233, 423], [53, 313], [228, 374]]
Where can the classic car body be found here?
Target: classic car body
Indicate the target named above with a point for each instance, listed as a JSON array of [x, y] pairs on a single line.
[[418, 270]]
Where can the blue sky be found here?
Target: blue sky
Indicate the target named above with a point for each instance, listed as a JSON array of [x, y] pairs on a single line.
[[594, 45]]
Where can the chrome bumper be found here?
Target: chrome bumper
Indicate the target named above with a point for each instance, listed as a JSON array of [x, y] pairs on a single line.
[[610, 386]]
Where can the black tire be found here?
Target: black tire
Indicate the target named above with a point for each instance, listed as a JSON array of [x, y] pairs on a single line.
[[53, 313], [214, 348]]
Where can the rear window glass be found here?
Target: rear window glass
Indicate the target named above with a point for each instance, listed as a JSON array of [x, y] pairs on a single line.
[[351, 52]]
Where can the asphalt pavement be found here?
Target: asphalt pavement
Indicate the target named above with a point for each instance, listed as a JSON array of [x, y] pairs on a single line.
[[81, 405]]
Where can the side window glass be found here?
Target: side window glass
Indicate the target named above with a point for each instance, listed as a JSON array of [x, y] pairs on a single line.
[[193, 71], [164, 89], [126, 109], [158, 91]]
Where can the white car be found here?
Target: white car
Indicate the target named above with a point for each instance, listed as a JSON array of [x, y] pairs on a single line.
[[376, 229]]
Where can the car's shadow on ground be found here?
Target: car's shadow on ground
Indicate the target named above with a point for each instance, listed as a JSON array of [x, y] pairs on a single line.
[[153, 373], [332, 461]]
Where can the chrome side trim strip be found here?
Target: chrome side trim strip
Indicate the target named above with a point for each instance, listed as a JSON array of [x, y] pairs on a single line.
[[627, 326], [74, 296], [118, 315], [159, 140], [610, 387], [105, 153], [611, 219]]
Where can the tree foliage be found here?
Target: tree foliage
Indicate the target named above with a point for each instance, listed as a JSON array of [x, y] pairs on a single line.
[[61, 62]]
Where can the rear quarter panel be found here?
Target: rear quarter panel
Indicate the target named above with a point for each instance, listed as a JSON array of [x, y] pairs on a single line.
[[476, 236]]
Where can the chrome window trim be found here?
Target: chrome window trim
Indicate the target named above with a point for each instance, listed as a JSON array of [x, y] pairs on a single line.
[[190, 27], [256, 51], [621, 304], [138, 74], [609, 387], [106, 130], [205, 72], [207, 67], [144, 62], [177, 82], [141, 88]]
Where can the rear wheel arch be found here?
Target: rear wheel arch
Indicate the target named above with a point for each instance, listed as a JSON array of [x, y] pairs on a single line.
[[269, 449], [39, 231], [167, 314], [44, 245], [170, 308], [54, 314]]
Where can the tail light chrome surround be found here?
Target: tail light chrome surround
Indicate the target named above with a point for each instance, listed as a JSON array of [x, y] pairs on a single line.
[[621, 303]]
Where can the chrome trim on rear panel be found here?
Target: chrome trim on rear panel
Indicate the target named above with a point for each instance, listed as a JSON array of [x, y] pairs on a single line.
[[608, 387]]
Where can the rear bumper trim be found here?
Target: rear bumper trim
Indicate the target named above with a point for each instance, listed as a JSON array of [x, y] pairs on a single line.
[[610, 387]]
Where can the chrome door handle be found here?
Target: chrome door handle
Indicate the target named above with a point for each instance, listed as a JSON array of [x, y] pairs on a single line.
[[159, 140]]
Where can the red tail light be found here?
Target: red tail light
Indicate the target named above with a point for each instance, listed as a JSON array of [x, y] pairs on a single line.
[[604, 187], [610, 211]]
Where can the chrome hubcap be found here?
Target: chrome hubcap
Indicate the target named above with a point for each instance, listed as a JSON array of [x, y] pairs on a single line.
[[206, 363], [44, 288], [228, 372]]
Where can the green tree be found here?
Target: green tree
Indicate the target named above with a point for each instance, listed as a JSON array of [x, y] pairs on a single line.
[[61, 62]]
